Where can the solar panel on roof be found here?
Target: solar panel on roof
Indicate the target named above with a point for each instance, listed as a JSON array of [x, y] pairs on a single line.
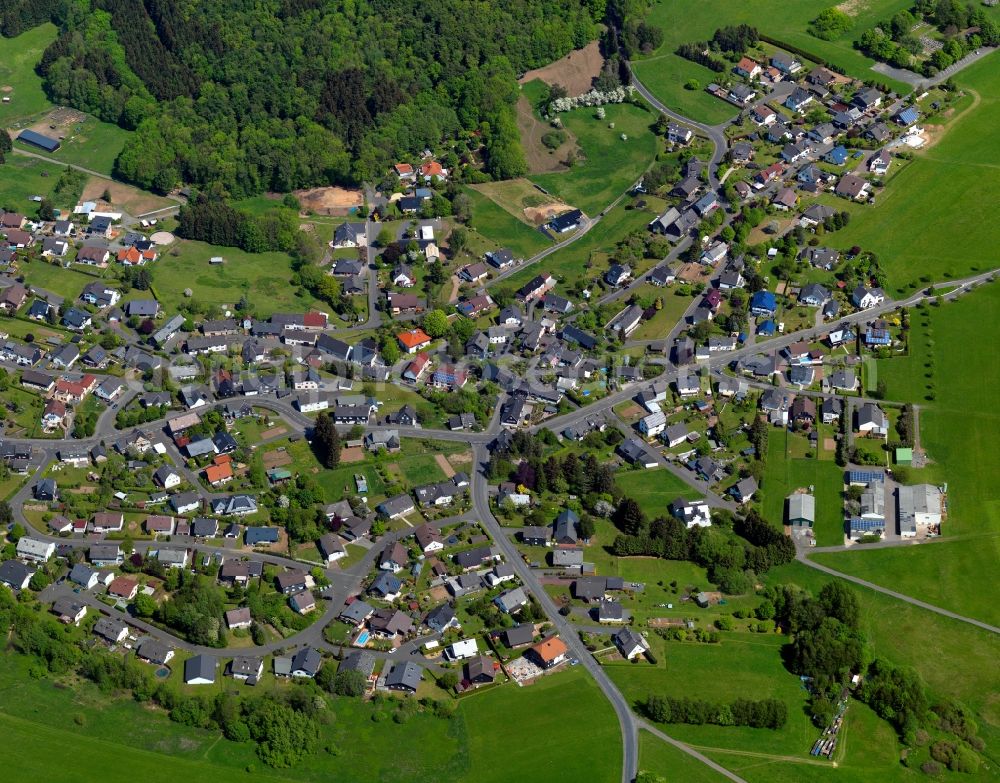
[[865, 476], [867, 525]]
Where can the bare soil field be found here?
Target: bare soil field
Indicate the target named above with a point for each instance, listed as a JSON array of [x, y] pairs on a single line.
[[276, 459], [693, 273], [123, 197], [273, 433], [443, 463], [329, 201], [576, 71], [541, 160], [58, 122], [352, 454]]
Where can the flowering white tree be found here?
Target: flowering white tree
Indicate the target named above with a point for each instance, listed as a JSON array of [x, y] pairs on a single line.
[[592, 98]]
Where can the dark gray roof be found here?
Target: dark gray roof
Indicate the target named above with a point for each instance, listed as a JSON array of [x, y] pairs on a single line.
[[199, 667]]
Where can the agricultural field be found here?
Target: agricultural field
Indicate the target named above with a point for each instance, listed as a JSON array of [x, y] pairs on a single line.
[[608, 165], [262, 277], [18, 58], [944, 197], [665, 73], [784, 473], [956, 431]]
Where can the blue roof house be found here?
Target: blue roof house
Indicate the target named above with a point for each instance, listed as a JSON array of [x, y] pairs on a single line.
[[837, 156], [763, 303]]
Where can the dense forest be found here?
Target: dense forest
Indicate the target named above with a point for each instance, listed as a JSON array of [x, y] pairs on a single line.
[[282, 94]]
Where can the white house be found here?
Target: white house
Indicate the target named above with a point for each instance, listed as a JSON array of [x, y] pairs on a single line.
[[459, 651]]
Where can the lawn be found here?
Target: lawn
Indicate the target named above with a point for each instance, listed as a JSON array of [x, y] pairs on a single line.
[[502, 229], [653, 489], [18, 58], [665, 73], [559, 729], [674, 305], [68, 283], [945, 197], [264, 278], [957, 431], [22, 177], [784, 474], [609, 165]]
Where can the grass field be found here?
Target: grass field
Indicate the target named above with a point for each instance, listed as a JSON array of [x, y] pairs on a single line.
[[653, 490], [910, 636], [683, 21], [262, 277], [65, 282], [18, 58], [660, 324], [944, 197], [748, 665], [609, 165], [22, 177], [663, 759], [936, 574], [559, 729], [957, 432], [784, 474], [70, 733], [502, 229]]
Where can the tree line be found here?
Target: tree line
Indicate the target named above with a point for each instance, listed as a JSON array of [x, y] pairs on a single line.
[[761, 714]]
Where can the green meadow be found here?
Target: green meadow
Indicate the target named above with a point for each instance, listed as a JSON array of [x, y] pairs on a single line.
[[18, 58], [261, 277], [609, 164], [72, 732], [502, 229], [784, 474], [936, 219]]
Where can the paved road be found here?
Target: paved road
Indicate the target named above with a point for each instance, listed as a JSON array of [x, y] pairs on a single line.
[[915, 80], [715, 133], [567, 632]]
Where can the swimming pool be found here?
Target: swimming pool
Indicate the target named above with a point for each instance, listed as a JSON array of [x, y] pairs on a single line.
[[362, 639]]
